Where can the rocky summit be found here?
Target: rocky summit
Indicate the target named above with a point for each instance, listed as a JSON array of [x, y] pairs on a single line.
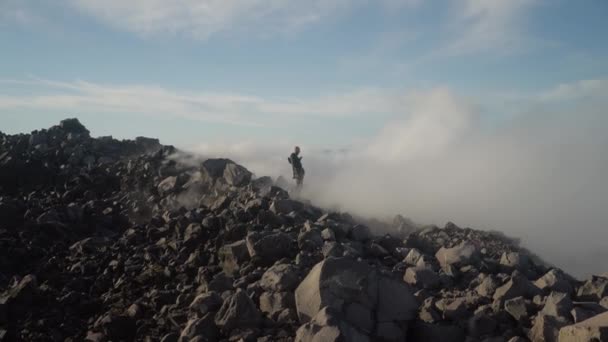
[[107, 240]]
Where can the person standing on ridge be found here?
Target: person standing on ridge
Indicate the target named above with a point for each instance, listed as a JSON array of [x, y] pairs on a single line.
[[296, 164]]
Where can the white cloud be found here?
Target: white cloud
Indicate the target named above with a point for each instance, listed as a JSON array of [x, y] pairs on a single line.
[[204, 18], [488, 25], [540, 177], [577, 90], [239, 109], [15, 12]]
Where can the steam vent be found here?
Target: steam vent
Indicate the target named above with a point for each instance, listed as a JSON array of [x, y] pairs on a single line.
[[108, 240]]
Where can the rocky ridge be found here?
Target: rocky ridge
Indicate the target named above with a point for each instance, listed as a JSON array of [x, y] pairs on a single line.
[[107, 240]]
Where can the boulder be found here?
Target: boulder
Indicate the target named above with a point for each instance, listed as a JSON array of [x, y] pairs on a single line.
[[236, 175], [199, 327], [558, 305], [464, 254], [546, 329], [335, 282], [281, 277], [488, 286], [167, 185], [554, 280], [517, 308], [233, 256], [515, 261], [517, 286], [270, 247], [284, 206], [592, 329], [328, 325], [422, 277], [594, 289], [238, 311], [310, 240], [205, 303], [276, 302]]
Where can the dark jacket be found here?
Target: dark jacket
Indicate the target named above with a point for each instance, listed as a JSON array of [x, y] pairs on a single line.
[[295, 161]]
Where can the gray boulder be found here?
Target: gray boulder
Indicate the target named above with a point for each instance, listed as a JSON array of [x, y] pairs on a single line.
[[546, 328], [422, 277], [357, 291], [328, 325], [594, 289], [205, 303], [464, 254], [558, 305], [517, 286], [554, 280], [270, 247], [592, 329], [233, 256], [236, 175], [278, 278], [276, 302], [518, 308], [238, 311]]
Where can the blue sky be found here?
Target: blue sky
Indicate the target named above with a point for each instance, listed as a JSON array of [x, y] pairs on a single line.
[[321, 72]]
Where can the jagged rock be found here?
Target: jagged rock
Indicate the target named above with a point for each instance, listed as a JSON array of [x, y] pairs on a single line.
[[238, 311], [428, 311], [233, 256], [269, 247], [278, 278], [236, 175], [276, 302], [488, 286], [592, 329], [413, 256], [422, 277], [343, 280], [517, 286], [219, 283], [554, 280], [515, 261], [453, 309], [329, 326], [604, 302], [546, 329], [205, 303], [464, 254], [558, 305], [594, 289], [167, 186], [199, 327], [310, 240], [284, 206], [328, 234], [583, 311], [517, 307]]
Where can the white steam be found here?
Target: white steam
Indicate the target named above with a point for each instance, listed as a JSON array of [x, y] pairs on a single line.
[[540, 177]]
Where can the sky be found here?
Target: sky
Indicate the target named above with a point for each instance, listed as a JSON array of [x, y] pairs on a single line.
[[489, 113]]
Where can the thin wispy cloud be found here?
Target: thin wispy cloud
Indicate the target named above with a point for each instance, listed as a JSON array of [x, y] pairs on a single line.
[[576, 90], [487, 25], [230, 108], [203, 18]]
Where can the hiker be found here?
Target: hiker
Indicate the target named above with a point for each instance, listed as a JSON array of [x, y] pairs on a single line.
[[296, 165]]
